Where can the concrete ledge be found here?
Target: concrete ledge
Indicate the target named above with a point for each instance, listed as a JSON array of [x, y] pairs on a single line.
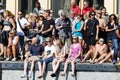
[[106, 67], [84, 71]]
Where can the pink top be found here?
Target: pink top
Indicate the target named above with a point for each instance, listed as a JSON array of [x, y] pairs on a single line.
[[75, 50]]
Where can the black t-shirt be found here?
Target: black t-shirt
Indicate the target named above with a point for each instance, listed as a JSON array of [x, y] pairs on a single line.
[[47, 24], [112, 33], [91, 26]]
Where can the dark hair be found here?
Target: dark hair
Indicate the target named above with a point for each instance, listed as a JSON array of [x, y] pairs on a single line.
[[91, 13], [115, 19], [47, 11], [21, 11], [103, 8], [38, 3], [82, 17], [87, 2]]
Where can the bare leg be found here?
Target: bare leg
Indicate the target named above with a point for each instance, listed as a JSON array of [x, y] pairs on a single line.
[[2, 51], [5, 51], [32, 65], [65, 67], [44, 67], [106, 58], [54, 64], [73, 68], [95, 56], [87, 56], [8, 52], [14, 51], [40, 68], [25, 65], [57, 66], [101, 57]]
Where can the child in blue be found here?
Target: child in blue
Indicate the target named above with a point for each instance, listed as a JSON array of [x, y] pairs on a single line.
[[77, 28]]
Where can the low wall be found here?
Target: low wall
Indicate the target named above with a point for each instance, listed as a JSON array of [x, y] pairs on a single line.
[[84, 71]]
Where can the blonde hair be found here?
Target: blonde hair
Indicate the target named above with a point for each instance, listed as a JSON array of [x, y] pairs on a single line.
[[9, 13], [32, 17]]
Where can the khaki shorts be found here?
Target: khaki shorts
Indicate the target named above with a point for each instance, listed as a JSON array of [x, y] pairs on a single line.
[[35, 58]]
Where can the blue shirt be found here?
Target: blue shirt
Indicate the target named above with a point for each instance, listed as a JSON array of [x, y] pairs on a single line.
[[36, 50]]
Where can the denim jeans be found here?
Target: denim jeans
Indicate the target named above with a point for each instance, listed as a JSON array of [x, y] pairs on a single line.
[[115, 44]]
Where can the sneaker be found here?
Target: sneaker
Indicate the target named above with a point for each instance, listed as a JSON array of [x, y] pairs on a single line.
[[29, 75], [14, 59], [114, 61], [24, 75], [7, 59], [53, 75]]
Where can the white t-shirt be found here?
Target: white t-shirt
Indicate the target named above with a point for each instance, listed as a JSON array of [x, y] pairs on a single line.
[[23, 22], [50, 49]]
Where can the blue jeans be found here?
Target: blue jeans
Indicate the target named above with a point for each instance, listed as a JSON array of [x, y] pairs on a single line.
[[115, 44]]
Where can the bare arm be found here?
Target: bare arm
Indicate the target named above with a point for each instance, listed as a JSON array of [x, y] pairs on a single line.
[[13, 23], [118, 33], [51, 27], [97, 32]]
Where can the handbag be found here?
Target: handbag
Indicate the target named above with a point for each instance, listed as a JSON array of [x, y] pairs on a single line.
[[32, 34]]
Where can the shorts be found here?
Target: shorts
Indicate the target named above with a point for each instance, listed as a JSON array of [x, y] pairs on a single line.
[[5, 36], [77, 60], [48, 60], [33, 58]]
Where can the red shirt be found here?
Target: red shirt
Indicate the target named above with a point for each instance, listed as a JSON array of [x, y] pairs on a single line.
[[84, 11], [76, 9]]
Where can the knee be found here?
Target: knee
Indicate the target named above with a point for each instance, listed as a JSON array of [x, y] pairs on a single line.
[[26, 60]]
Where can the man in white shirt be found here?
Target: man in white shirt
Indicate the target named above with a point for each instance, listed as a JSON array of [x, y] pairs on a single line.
[[21, 23]]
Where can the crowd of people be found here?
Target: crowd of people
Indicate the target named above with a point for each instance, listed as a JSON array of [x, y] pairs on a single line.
[[87, 35]]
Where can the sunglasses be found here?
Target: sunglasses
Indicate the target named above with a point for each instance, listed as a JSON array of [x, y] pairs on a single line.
[[48, 41]]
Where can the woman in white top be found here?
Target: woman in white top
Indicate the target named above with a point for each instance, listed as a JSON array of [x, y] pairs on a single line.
[[13, 41]]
